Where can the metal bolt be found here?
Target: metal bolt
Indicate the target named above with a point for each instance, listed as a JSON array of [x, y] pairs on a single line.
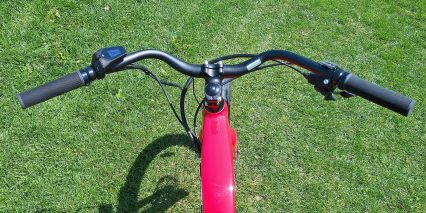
[[326, 81]]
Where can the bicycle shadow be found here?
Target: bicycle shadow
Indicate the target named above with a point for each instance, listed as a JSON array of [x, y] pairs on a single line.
[[166, 193]]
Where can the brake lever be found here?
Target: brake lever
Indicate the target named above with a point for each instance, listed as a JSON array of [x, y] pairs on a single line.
[[318, 83], [321, 86]]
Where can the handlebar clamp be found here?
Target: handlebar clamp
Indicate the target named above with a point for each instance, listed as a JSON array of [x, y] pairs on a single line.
[[332, 80], [212, 70], [213, 88]]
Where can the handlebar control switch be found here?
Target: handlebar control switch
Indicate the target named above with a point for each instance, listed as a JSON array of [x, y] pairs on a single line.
[[104, 59]]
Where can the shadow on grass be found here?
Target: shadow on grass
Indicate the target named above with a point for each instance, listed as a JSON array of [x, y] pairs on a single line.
[[166, 193]]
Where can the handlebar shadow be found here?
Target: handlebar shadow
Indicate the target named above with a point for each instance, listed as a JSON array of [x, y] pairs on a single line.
[[166, 193]]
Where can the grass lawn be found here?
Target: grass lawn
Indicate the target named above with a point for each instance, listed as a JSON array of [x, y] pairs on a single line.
[[116, 147]]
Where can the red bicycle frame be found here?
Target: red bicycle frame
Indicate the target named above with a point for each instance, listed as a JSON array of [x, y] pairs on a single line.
[[217, 162]]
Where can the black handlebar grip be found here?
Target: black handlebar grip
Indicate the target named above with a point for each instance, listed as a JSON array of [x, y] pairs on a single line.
[[379, 95], [52, 89]]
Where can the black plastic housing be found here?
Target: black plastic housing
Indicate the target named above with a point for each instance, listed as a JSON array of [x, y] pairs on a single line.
[[104, 59]]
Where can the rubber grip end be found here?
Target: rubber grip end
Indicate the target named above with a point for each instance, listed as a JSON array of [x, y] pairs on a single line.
[[20, 101], [411, 107]]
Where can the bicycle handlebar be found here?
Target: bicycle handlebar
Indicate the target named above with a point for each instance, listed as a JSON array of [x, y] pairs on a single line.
[[195, 70], [247, 66], [342, 79]]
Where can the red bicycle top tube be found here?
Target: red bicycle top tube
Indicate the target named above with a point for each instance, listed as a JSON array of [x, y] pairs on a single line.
[[217, 163]]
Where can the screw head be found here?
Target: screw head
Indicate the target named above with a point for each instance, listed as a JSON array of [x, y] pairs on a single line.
[[326, 81]]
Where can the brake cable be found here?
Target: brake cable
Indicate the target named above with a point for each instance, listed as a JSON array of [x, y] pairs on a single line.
[[196, 115], [182, 120], [191, 135], [193, 90], [160, 83]]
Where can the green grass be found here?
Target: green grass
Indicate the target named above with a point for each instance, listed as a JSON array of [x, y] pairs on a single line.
[[115, 146]]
